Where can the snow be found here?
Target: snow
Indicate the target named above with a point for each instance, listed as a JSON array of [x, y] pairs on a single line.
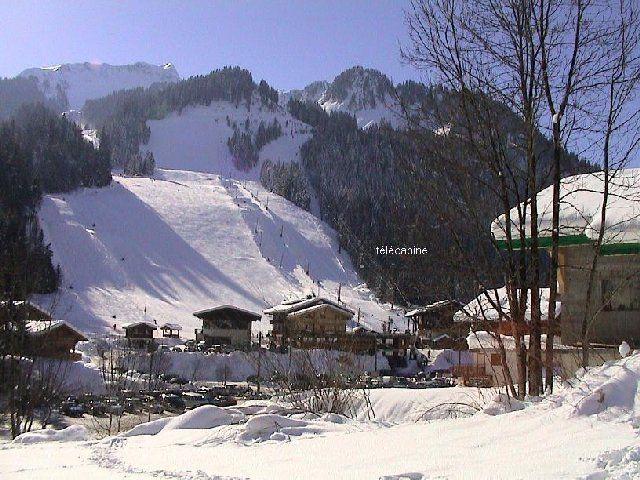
[[73, 433], [187, 241], [624, 349], [581, 198], [549, 439], [84, 81], [196, 139], [483, 340], [237, 366], [207, 416], [493, 305]]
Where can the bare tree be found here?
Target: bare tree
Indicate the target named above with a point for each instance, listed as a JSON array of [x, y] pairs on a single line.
[[514, 67]]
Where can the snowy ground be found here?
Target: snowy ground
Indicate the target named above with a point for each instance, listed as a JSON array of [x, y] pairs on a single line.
[[185, 241], [588, 431]]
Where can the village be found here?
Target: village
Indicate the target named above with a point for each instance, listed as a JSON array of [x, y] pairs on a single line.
[[442, 344]]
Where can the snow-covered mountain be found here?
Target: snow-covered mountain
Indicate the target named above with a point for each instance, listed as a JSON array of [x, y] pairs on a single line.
[[183, 241], [79, 82], [366, 93]]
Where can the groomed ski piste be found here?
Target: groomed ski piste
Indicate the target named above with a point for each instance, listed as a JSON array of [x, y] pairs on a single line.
[[588, 430], [199, 233]]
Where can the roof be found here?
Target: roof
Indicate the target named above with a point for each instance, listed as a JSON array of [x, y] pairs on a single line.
[[33, 308], [136, 324], [493, 306], [201, 313], [294, 306], [433, 307], [581, 199], [40, 327], [171, 326], [482, 340], [322, 306]]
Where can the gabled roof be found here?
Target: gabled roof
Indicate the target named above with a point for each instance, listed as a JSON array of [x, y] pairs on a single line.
[[136, 324], [171, 326], [493, 306], [294, 306], [433, 307], [233, 308], [322, 306], [42, 327]]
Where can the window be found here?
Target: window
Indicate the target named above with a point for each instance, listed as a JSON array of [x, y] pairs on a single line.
[[495, 360], [621, 294]]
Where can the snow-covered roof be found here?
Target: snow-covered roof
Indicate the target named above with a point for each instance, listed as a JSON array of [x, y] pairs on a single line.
[[227, 307], [322, 306], [171, 326], [581, 198], [293, 306], [483, 340], [493, 306], [135, 324], [431, 307], [39, 327]]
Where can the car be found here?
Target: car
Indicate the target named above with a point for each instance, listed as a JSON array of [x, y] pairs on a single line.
[[72, 409], [154, 407], [480, 382], [438, 383], [223, 401], [174, 403], [97, 409], [193, 399]]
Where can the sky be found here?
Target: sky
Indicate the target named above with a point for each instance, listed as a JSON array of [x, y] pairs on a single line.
[[288, 43]]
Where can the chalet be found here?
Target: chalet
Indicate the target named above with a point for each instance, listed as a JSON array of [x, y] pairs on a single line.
[[139, 334], [434, 320], [45, 337], [308, 323], [170, 330], [226, 325], [54, 339], [612, 309], [490, 311]]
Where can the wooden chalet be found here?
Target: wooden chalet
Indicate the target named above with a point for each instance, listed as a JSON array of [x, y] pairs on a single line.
[[432, 321], [170, 330], [139, 334], [313, 322], [226, 325], [54, 339], [43, 336]]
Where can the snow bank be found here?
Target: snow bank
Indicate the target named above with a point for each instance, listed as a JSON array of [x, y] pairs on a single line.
[[501, 404], [148, 428], [609, 392], [70, 434], [275, 427], [207, 416]]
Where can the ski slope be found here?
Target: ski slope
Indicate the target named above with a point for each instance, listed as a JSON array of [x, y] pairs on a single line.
[[196, 139], [162, 248]]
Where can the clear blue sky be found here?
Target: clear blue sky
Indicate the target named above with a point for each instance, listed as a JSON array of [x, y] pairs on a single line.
[[288, 43]]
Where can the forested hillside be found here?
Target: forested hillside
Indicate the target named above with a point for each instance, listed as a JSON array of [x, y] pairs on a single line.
[[376, 187], [40, 152], [121, 117], [15, 92]]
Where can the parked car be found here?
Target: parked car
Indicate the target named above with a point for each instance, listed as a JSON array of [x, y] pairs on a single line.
[[72, 409], [193, 399], [173, 403], [439, 383], [154, 407]]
